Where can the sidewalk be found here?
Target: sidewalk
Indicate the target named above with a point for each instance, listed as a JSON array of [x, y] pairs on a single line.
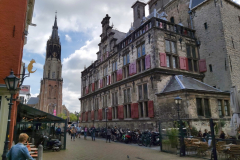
[[81, 149]]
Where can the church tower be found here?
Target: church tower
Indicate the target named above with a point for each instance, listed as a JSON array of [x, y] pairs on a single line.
[[51, 84]]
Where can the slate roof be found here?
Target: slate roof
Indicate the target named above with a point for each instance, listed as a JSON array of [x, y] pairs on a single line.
[[180, 82], [33, 100], [195, 3]]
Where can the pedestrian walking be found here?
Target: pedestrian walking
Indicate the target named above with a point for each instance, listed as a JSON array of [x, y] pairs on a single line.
[[58, 133], [19, 151], [73, 133], [69, 129], [85, 132], [78, 131], [93, 130], [108, 134]]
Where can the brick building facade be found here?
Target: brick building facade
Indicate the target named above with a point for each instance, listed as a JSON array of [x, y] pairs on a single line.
[[15, 18], [133, 67]]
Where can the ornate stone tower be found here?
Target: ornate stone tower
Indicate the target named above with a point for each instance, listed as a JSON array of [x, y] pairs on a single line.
[[51, 84]]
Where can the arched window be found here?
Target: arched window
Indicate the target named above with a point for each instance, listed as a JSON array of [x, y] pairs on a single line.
[[172, 19]]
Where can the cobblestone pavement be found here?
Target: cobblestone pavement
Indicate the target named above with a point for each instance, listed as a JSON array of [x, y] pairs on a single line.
[[81, 149]]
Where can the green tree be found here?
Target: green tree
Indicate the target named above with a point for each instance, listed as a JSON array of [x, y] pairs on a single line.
[[73, 117], [62, 115]]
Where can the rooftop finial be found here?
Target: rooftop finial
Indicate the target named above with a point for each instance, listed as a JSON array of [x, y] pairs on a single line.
[[56, 14]]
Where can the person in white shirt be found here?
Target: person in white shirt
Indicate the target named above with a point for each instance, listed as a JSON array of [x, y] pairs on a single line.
[[78, 131]]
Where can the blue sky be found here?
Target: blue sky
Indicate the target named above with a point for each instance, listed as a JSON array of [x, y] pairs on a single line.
[[79, 26]]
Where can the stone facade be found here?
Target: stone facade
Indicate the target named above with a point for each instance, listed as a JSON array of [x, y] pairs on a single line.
[[189, 108], [51, 85], [125, 79], [216, 25]]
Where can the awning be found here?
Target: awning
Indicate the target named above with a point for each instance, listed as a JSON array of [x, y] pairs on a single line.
[[30, 114]]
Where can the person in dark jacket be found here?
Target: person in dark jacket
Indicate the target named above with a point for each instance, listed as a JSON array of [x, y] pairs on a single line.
[[93, 130], [222, 135], [108, 134]]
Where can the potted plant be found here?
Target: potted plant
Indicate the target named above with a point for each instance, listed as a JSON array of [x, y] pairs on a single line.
[[173, 137]]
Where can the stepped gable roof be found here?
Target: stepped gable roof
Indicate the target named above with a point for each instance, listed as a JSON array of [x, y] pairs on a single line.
[[180, 82], [33, 100]]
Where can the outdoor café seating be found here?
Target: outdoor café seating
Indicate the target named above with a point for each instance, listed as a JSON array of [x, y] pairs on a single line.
[[234, 152]]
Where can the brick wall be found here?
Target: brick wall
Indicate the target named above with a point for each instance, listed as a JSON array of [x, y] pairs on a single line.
[[12, 16]]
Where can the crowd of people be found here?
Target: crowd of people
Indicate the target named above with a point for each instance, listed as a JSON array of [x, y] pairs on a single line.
[[76, 132], [207, 136]]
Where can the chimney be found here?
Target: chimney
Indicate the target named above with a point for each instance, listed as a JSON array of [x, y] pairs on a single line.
[[138, 13]]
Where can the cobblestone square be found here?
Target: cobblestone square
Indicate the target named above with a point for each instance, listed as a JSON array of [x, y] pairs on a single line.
[[81, 149]]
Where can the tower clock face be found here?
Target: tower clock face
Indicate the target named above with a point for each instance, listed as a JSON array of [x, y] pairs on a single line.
[[54, 54]]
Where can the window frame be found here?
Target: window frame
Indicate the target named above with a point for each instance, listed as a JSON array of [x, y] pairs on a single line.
[[114, 72], [170, 55], [125, 67], [141, 66], [228, 107], [192, 60]]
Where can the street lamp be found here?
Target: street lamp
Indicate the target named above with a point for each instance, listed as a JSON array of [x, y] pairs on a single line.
[[106, 113], [178, 101], [11, 82], [77, 114]]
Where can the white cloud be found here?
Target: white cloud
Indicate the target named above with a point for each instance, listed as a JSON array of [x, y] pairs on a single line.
[[76, 16], [68, 38]]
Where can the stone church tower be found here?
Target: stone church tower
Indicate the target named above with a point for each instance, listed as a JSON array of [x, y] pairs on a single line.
[[51, 84]]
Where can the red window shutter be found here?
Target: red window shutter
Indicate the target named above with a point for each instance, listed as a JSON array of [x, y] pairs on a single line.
[[183, 64], [130, 69], [109, 79], [150, 109], [81, 117], [109, 113], [134, 68], [120, 74], [86, 116], [92, 115], [101, 84], [163, 60], [100, 114], [117, 75], [134, 110], [147, 61], [120, 112], [93, 87], [202, 65], [86, 90]]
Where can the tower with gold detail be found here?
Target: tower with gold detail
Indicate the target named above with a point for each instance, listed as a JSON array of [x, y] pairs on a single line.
[[51, 83]]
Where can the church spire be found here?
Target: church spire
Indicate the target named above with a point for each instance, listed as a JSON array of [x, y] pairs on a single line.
[[55, 29]]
